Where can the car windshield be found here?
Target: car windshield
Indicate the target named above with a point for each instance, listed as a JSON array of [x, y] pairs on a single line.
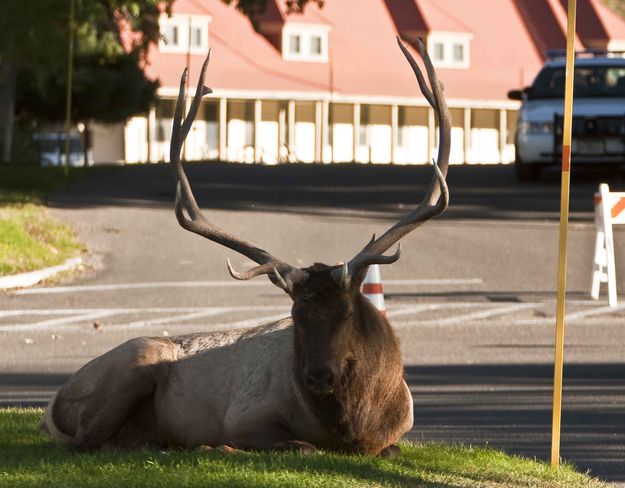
[[590, 81]]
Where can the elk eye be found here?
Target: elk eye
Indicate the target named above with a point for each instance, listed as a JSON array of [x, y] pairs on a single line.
[[344, 313]]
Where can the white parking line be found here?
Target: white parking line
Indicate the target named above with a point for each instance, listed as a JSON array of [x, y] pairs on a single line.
[[571, 317], [483, 314], [58, 322], [244, 324], [413, 309], [434, 282], [219, 284], [453, 313], [175, 318], [78, 315]]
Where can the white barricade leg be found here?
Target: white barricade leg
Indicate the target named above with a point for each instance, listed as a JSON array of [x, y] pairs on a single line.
[[599, 265], [609, 243]]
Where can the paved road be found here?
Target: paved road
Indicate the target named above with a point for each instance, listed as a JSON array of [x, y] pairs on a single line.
[[472, 298]]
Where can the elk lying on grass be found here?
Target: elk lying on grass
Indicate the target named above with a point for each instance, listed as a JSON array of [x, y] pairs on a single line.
[[328, 377]]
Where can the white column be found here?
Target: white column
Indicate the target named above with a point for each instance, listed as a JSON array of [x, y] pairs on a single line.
[[394, 130], [281, 132], [151, 134], [291, 121], [223, 129], [325, 124], [503, 133], [258, 107], [318, 131], [467, 133], [431, 133], [356, 128]]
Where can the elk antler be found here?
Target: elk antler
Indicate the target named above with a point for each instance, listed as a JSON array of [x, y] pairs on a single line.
[[436, 199], [280, 273]]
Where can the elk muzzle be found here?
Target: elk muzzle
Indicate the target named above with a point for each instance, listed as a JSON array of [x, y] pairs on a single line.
[[320, 379]]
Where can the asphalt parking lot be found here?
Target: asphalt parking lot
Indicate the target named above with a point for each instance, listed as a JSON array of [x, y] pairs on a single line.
[[472, 298]]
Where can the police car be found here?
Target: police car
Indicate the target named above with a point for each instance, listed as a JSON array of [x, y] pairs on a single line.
[[598, 113]]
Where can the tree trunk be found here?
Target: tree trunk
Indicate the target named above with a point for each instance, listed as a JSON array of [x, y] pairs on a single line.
[[7, 109]]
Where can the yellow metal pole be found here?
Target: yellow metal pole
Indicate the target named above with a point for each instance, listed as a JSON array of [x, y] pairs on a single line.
[[70, 76], [564, 221]]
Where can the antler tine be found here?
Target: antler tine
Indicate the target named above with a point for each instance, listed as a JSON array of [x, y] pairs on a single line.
[[417, 71], [444, 122], [369, 259], [436, 199], [267, 268], [197, 223]]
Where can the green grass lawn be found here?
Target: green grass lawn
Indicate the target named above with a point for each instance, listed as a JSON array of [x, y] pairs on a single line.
[[29, 237], [29, 459]]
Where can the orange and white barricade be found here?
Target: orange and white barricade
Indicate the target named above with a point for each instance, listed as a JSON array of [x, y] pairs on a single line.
[[609, 211], [372, 288]]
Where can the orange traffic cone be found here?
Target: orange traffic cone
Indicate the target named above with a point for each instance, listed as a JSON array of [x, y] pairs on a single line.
[[372, 288]]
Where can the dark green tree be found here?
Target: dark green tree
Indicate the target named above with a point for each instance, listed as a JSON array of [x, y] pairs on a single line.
[[251, 8], [109, 84]]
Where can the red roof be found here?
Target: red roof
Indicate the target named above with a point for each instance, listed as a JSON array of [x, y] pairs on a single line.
[[505, 48], [445, 16], [613, 25]]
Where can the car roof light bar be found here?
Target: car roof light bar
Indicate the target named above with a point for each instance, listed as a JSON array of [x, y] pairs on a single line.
[[553, 54]]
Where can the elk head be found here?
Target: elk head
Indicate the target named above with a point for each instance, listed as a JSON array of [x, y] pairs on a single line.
[[333, 321]]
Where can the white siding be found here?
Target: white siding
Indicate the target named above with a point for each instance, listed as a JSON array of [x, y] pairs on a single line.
[[136, 140], [412, 137], [240, 132], [484, 140], [269, 132], [108, 143], [305, 132], [342, 127]]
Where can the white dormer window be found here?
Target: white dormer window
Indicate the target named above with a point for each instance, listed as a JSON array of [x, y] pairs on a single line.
[[295, 44], [305, 42], [184, 33], [316, 45], [449, 49]]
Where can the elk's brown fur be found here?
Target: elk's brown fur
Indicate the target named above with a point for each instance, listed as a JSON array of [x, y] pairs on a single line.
[[328, 377]]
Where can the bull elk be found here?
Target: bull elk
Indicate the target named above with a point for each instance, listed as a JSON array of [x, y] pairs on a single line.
[[329, 377]]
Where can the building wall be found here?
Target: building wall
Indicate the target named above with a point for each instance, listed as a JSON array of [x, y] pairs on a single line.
[[341, 142], [412, 136], [305, 132], [269, 132], [484, 137], [108, 143], [136, 140]]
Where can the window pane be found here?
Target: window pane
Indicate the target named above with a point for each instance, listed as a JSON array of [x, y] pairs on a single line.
[[589, 81], [363, 140], [249, 123], [315, 45], [170, 33], [196, 37], [401, 126], [294, 44], [458, 52], [439, 51], [210, 111]]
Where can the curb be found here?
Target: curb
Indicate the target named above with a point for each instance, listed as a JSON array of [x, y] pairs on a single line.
[[33, 277]]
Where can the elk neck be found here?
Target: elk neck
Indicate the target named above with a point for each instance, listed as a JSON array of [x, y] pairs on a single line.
[[371, 373]]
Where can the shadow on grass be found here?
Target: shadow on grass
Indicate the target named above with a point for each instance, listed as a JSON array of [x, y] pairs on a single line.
[[28, 458], [39, 456]]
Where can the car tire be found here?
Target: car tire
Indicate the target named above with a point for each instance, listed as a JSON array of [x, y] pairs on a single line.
[[527, 172]]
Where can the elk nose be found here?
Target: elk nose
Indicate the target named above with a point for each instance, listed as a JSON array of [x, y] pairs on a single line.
[[320, 380]]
